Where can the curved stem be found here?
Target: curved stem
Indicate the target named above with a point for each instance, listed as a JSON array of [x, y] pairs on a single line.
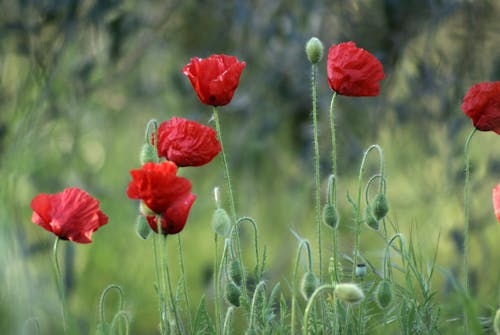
[[317, 199], [255, 236], [310, 304], [147, 135], [105, 292], [387, 256], [466, 225], [260, 286], [357, 209], [227, 320], [294, 279], [60, 286]]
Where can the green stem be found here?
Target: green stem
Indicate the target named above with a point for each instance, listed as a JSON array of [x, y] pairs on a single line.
[[334, 144], [166, 274], [466, 226], [260, 286], [60, 286], [227, 321], [357, 209], [310, 305], [184, 286], [294, 279], [255, 241], [160, 287], [331, 195], [316, 169], [216, 287]]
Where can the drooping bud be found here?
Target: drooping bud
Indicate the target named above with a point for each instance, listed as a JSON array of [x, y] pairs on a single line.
[[308, 285], [148, 154], [349, 293], [142, 227], [380, 207], [371, 220], [233, 294], [314, 50], [360, 270], [330, 217], [221, 223], [496, 322], [235, 272], [383, 293]]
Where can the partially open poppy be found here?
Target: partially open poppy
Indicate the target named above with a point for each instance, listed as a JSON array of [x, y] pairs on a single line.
[[187, 143], [72, 214], [174, 218], [353, 71], [482, 105], [214, 79]]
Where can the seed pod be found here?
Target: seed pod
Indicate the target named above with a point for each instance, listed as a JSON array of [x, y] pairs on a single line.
[[235, 272], [380, 207], [142, 227], [233, 294], [360, 270], [314, 50], [330, 217], [308, 285], [371, 220], [383, 294], [496, 322], [349, 293], [148, 154], [221, 223]]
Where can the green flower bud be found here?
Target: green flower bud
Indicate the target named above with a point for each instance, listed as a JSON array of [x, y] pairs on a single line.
[[314, 50], [233, 294], [371, 220], [148, 154], [221, 223], [145, 210], [308, 285], [330, 217], [349, 293], [380, 207], [142, 227], [360, 270], [235, 272], [383, 293], [496, 322]]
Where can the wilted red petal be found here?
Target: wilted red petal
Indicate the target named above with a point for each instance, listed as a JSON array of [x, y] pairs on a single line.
[[187, 143], [157, 185], [496, 201], [214, 79], [174, 218], [482, 105], [353, 71], [72, 214]]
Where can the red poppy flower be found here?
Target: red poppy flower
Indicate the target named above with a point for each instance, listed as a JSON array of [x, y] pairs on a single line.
[[215, 78], [187, 143], [72, 214], [174, 218], [353, 71], [496, 201], [158, 186], [482, 105]]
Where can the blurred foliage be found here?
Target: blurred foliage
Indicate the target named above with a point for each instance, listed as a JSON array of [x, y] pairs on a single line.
[[80, 79]]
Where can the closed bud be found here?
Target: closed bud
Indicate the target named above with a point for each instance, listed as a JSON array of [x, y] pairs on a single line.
[[145, 210], [235, 272], [360, 270], [383, 294], [330, 217], [142, 227], [221, 223], [233, 294], [496, 322], [148, 154], [380, 207], [371, 220], [314, 50], [349, 293], [308, 285]]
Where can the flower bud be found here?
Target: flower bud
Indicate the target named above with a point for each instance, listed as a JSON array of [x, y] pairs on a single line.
[[380, 207], [371, 220], [383, 293], [360, 270], [330, 217], [496, 322], [233, 294], [235, 272], [349, 293], [145, 210], [314, 50], [142, 227], [308, 285], [221, 223], [148, 154]]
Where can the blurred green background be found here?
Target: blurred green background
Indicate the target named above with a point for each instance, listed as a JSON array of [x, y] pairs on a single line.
[[80, 79]]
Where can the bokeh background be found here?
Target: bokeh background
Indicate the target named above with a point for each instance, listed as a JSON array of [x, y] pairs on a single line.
[[79, 80]]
